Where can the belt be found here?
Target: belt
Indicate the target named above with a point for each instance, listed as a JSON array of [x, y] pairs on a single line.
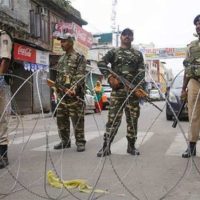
[[197, 79]]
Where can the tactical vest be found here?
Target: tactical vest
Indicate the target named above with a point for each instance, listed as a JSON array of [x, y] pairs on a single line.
[[193, 68], [67, 68], [125, 62]]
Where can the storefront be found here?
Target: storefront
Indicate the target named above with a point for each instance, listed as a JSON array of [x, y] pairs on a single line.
[[30, 68]]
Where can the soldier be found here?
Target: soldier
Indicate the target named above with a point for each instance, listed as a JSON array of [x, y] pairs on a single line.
[[128, 63], [191, 90], [71, 78], [5, 58]]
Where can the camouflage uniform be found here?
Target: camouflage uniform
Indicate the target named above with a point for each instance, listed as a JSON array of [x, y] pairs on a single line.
[[5, 55], [71, 73], [129, 64], [4, 99], [192, 71], [4, 114]]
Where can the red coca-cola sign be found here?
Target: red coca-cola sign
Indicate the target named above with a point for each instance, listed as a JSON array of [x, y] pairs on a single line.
[[24, 53]]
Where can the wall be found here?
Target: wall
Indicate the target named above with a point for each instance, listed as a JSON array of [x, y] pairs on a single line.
[[16, 14], [15, 19]]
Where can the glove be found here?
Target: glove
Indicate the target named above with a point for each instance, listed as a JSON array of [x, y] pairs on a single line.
[[140, 93], [114, 82]]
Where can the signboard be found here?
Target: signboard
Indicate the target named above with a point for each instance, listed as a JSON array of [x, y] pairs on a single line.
[[82, 36], [57, 47], [42, 57], [163, 53], [33, 59], [29, 54], [83, 39], [104, 38], [24, 53]]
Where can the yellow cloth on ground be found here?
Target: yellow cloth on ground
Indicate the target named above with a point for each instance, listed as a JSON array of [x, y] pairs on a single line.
[[81, 184]]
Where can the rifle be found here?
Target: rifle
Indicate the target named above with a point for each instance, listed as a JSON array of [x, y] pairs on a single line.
[[130, 86], [178, 114], [68, 91], [52, 84]]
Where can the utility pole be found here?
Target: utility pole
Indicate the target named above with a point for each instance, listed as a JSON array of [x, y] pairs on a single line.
[[117, 36], [113, 20]]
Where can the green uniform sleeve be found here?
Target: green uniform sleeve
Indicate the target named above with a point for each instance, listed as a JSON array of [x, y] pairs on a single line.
[[108, 58], [141, 72], [78, 75]]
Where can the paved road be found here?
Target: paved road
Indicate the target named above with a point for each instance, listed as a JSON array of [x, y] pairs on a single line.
[[158, 173]]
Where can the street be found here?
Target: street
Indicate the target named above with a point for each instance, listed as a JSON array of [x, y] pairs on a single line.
[[158, 173]]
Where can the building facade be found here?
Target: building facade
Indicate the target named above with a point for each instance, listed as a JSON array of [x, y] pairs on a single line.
[[30, 24]]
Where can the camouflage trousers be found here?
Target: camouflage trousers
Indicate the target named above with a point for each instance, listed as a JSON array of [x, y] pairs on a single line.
[[119, 102], [73, 110], [4, 112]]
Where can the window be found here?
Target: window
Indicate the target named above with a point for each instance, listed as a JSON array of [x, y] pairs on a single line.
[[39, 26], [35, 24], [44, 28], [7, 3]]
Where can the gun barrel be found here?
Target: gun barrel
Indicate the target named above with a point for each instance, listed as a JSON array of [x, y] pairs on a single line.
[[178, 115], [174, 123]]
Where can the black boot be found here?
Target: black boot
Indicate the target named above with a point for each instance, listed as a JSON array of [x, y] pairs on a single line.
[[131, 148], [3, 156], [105, 150], [190, 151], [80, 148], [63, 145]]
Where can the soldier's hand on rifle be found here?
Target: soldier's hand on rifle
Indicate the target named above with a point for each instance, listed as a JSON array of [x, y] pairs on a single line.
[[50, 83], [140, 93], [113, 81], [70, 92]]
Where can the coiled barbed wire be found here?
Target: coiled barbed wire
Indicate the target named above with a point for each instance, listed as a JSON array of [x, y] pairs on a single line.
[[104, 160]]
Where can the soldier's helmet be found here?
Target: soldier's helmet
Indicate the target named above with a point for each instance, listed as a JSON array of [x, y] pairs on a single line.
[[66, 36], [196, 19]]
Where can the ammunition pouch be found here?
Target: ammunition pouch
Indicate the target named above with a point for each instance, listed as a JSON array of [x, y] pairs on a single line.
[[192, 71]]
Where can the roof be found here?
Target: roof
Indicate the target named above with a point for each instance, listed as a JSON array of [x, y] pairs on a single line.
[[29, 43], [65, 8]]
